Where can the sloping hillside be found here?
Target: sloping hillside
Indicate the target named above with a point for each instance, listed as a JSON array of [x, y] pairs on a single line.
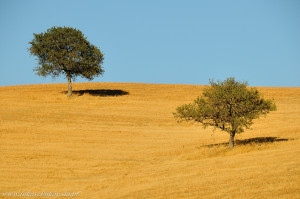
[[117, 140]]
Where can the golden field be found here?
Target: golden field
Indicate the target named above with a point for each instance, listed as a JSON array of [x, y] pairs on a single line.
[[130, 146]]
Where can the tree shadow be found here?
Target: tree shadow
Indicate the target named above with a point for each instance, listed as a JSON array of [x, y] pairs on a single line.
[[258, 140], [100, 92]]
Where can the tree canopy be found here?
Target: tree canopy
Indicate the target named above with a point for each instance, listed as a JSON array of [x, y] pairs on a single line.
[[65, 50], [228, 105]]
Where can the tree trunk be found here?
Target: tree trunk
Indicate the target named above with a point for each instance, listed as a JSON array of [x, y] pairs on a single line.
[[69, 86], [231, 140]]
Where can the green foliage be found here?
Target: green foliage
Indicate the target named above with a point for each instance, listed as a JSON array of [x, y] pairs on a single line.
[[65, 50], [227, 105]]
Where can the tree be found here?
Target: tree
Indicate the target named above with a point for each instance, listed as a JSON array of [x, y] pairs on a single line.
[[65, 50], [228, 105]]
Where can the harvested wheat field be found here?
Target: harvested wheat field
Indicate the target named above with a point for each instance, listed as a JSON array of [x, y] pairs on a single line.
[[119, 140]]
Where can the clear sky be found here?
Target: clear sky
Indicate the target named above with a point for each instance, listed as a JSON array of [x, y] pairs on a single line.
[[162, 41]]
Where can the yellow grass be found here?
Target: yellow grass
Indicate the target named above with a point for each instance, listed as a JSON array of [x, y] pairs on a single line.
[[130, 146]]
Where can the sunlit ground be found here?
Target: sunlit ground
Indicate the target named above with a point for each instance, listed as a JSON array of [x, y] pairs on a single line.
[[113, 140]]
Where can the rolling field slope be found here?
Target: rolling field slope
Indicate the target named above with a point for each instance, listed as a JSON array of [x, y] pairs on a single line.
[[118, 140]]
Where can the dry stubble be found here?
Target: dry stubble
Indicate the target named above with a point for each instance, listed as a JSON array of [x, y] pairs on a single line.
[[130, 146]]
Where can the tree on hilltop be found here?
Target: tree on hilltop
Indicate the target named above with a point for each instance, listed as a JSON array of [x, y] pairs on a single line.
[[65, 50], [226, 105]]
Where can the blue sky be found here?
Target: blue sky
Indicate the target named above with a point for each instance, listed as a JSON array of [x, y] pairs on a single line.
[[162, 41]]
